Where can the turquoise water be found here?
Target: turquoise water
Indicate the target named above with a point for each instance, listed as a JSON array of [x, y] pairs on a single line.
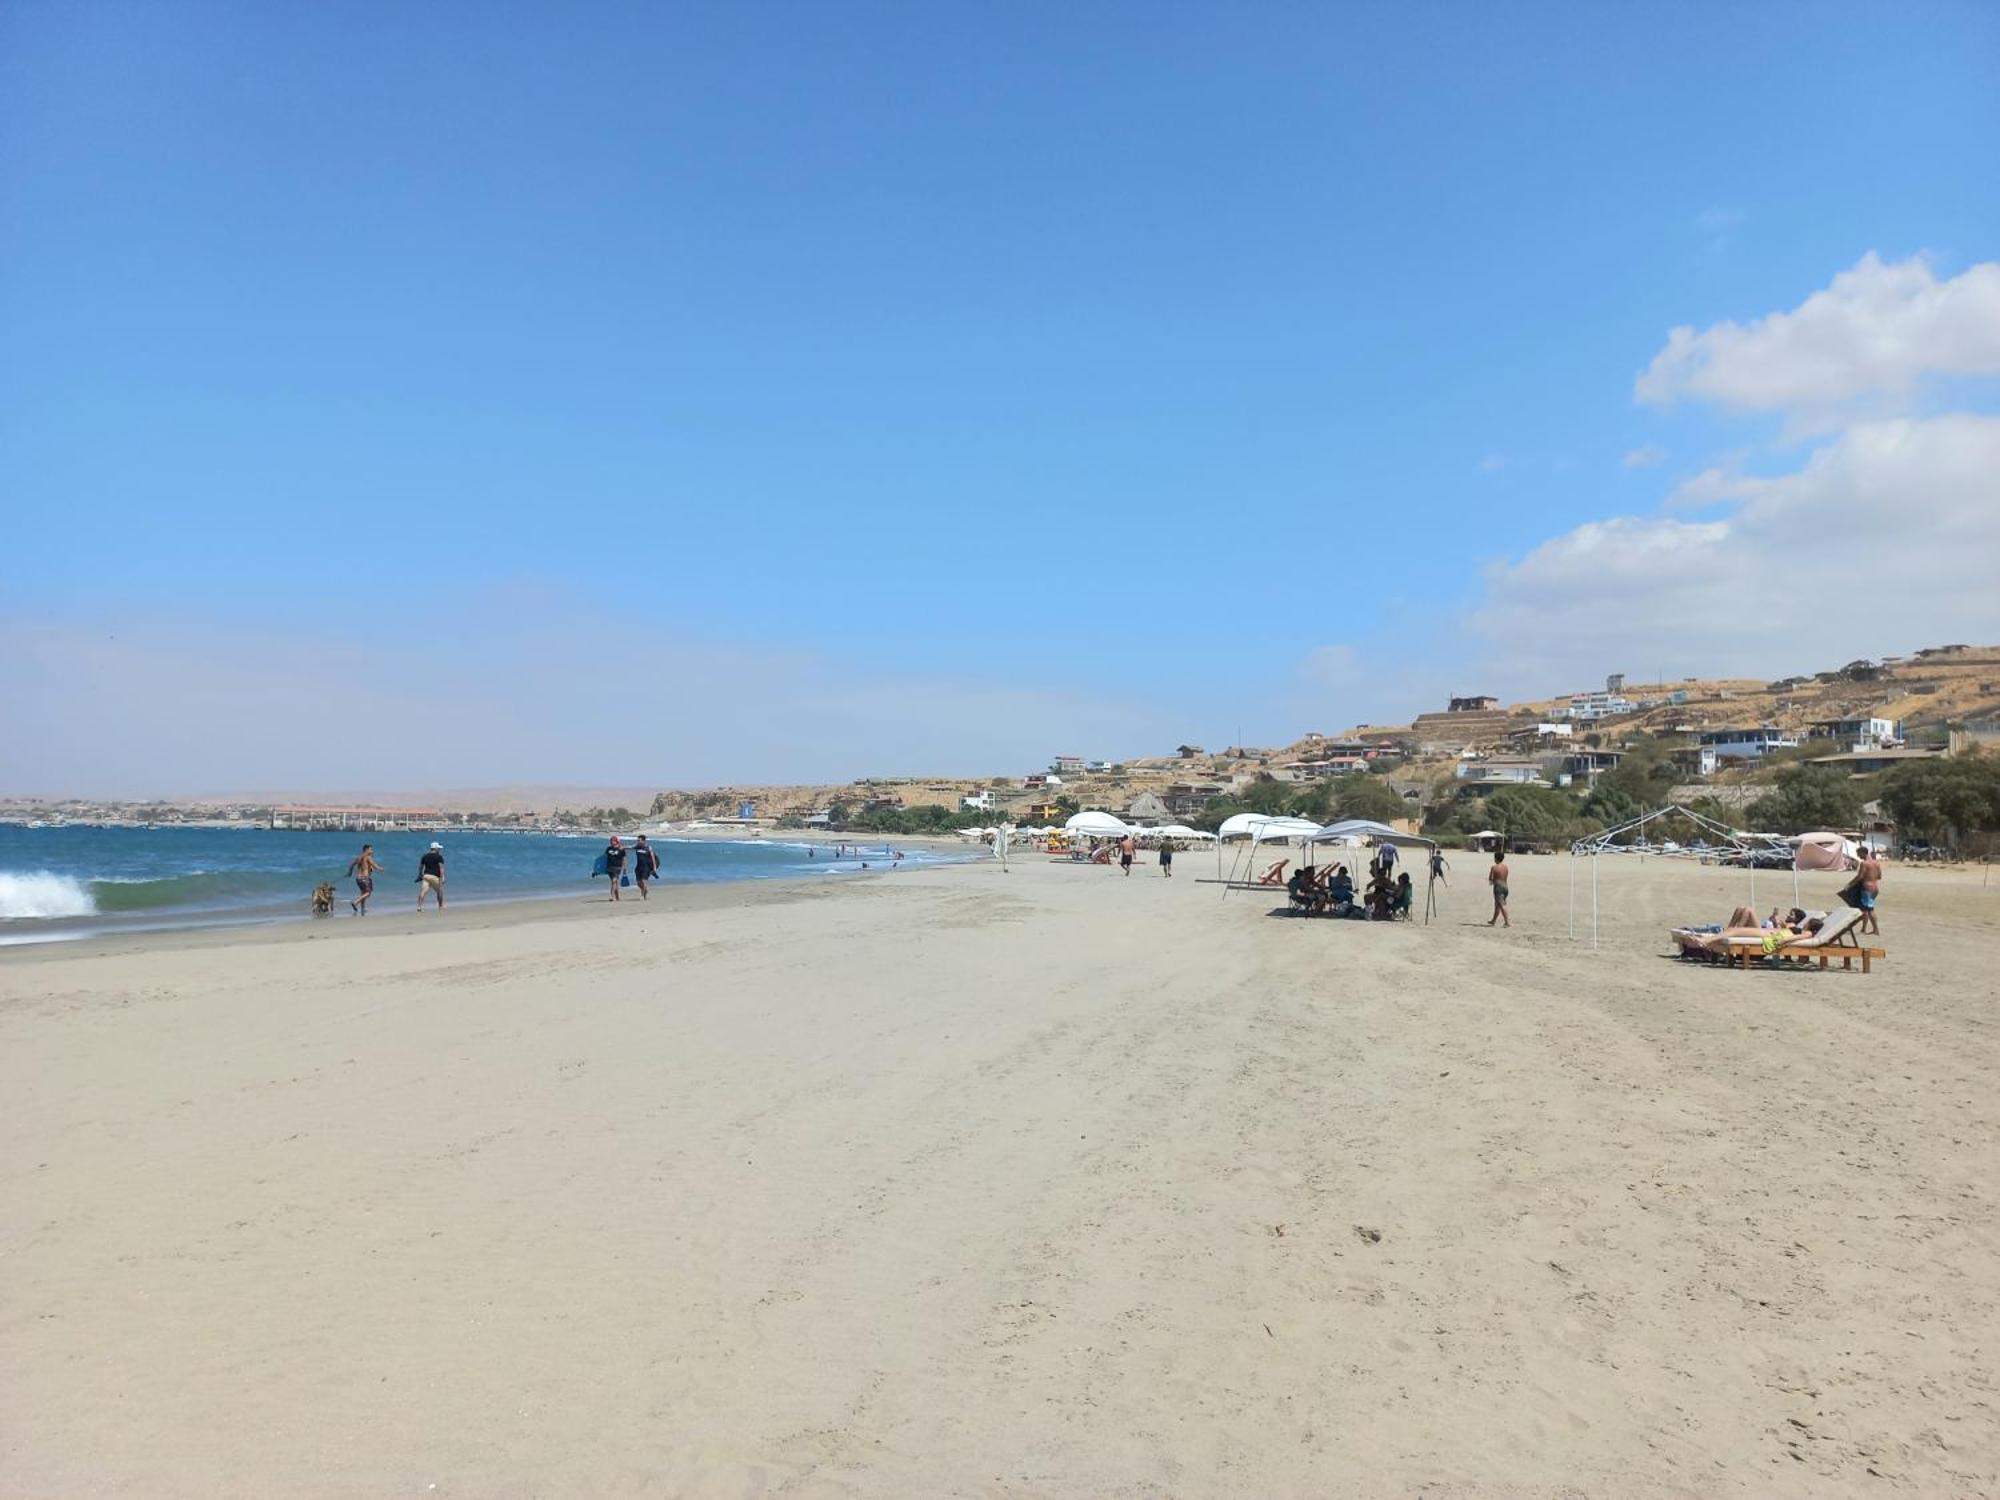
[[70, 881]]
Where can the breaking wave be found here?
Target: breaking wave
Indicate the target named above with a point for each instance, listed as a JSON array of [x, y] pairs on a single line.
[[28, 894]]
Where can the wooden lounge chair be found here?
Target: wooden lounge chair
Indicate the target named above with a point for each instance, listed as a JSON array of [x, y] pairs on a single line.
[[1836, 938]]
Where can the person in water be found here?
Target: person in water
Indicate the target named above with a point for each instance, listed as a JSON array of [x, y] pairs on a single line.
[[614, 864], [362, 873], [430, 876], [645, 866]]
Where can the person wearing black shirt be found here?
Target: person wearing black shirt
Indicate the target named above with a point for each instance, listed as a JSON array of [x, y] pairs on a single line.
[[614, 864], [645, 865], [430, 876]]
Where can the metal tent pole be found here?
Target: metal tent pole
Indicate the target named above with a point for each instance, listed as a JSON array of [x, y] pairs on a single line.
[[1593, 901]]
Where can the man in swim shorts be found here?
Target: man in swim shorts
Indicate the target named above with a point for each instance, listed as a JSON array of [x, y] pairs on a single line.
[[1870, 877], [362, 872], [430, 876], [1127, 847], [1497, 878]]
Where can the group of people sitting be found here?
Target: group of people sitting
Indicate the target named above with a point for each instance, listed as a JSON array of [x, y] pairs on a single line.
[[1332, 893]]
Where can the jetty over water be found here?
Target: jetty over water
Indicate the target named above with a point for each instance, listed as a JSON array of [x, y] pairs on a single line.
[[357, 819]]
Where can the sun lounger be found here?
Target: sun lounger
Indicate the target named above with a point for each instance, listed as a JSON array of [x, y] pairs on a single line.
[[1835, 939]]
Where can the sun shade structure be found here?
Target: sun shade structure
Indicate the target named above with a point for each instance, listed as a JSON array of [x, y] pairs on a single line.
[[1721, 844], [1097, 825], [1825, 851], [1357, 832], [1259, 829]]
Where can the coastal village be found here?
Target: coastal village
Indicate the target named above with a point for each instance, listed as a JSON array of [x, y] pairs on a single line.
[[1723, 738]]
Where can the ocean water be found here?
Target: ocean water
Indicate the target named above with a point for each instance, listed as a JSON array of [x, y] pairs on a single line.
[[74, 881]]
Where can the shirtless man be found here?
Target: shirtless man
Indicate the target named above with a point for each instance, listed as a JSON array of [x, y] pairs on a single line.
[[1127, 847], [1870, 876], [362, 873], [1497, 878]]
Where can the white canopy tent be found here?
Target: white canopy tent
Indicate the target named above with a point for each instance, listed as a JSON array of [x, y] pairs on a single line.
[[1732, 846], [1255, 830], [1097, 825]]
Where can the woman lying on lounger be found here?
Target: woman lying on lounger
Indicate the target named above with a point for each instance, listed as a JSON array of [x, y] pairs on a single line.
[[1752, 931]]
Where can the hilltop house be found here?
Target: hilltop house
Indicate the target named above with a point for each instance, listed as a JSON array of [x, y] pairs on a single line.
[[1184, 799], [1747, 744], [1067, 765], [1858, 734], [1499, 773]]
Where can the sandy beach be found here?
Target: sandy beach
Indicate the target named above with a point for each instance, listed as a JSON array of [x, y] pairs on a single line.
[[963, 1182]]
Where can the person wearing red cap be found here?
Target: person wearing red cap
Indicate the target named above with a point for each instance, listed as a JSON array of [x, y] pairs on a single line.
[[614, 864]]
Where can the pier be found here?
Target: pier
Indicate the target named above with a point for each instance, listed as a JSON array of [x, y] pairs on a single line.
[[357, 819]]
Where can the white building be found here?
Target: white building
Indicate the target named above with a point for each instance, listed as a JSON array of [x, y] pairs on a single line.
[[1506, 772], [1591, 707], [1746, 744], [976, 802], [1859, 734]]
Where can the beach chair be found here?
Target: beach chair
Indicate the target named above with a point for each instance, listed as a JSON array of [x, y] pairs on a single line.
[[1835, 939]]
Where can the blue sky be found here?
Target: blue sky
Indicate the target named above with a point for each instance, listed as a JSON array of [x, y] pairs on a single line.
[[825, 389]]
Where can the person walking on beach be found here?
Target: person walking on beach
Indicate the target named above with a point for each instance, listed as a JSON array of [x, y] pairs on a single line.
[[614, 864], [362, 873], [645, 866], [1167, 858], [430, 875], [1870, 878], [1127, 847], [1438, 866], [1497, 878]]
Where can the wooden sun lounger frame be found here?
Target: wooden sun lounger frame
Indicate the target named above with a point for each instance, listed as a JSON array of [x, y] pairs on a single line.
[[1740, 951]]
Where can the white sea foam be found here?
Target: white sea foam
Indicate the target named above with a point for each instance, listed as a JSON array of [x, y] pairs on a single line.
[[27, 894]]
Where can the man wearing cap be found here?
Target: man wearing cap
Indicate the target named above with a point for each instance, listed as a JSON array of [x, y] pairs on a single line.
[[430, 875], [614, 864]]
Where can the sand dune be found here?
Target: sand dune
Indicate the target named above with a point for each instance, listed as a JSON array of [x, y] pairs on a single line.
[[1045, 1183]]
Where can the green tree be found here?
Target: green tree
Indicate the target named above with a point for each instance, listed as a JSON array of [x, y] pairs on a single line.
[[1642, 778], [1943, 800], [1366, 797], [1804, 798]]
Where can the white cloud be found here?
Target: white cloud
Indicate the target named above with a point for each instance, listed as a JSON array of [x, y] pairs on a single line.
[[1868, 337], [1706, 488], [1886, 538], [1651, 456]]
